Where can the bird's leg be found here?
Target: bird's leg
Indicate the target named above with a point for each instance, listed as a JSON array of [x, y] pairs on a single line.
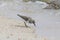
[[25, 24]]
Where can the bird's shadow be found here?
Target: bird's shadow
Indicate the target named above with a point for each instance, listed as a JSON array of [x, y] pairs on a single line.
[[21, 26]]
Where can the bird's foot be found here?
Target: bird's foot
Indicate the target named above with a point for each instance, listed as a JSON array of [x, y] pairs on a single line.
[[25, 24]]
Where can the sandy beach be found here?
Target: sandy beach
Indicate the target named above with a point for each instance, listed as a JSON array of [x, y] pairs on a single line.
[[11, 29]]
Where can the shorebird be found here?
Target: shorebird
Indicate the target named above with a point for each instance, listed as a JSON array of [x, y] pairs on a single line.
[[27, 19]]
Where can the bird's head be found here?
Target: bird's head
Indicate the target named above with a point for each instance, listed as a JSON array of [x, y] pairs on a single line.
[[34, 23]]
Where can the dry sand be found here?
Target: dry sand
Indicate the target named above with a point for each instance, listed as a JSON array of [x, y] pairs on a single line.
[[11, 29]]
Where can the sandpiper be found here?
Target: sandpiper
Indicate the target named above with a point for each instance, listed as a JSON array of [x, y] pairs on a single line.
[[27, 19]]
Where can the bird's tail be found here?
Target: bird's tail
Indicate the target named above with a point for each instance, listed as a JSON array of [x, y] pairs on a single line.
[[23, 17], [19, 15]]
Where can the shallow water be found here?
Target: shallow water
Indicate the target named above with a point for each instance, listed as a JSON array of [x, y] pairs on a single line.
[[47, 20]]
